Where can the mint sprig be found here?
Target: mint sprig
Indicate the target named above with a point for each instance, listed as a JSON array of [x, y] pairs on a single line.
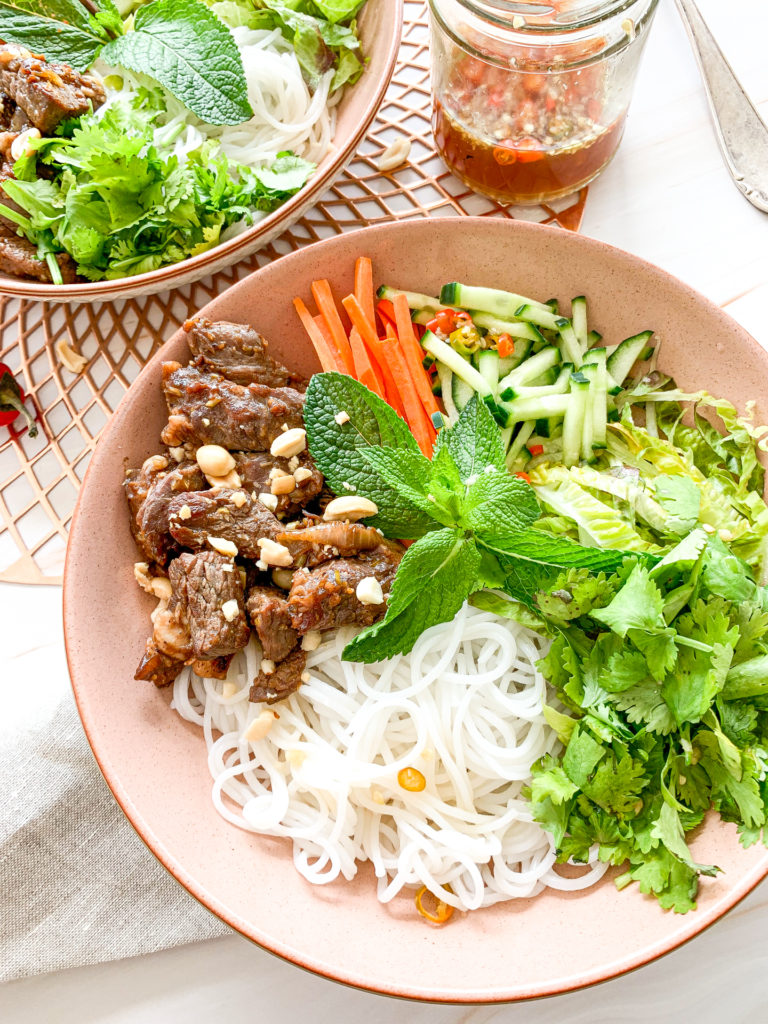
[[470, 514], [179, 43]]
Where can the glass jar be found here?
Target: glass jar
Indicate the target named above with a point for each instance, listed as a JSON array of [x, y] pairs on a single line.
[[530, 99]]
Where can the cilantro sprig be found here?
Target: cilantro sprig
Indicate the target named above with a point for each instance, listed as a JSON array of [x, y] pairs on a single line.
[[661, 663]]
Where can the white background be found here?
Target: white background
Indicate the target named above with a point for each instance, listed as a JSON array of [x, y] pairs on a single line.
[[667, 197]]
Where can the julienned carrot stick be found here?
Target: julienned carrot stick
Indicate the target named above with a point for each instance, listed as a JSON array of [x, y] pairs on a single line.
[[364, 287], [326, 304], [386, 312], [413, 353], [415, 414], [322, 326], [364, 370], [329, 358], [378, 353]]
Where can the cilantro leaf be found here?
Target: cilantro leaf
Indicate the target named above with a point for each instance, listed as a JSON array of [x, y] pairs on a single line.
[[433, 581], [582, 756], [681, 499], [643, 704], [184, 46], [617, 784], [338, 449], [638, 605]]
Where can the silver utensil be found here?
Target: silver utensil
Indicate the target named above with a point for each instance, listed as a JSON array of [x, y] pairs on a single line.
[[741, 133]]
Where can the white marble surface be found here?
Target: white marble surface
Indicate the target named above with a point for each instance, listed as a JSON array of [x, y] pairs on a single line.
[[668, 198]]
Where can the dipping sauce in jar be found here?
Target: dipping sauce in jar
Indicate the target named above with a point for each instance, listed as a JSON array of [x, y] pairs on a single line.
[[530, 109]]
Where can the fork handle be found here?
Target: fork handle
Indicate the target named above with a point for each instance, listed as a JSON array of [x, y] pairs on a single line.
[[741, 133]]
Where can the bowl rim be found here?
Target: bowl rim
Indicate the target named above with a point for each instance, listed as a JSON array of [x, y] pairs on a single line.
[[700, 921], [227, 253]]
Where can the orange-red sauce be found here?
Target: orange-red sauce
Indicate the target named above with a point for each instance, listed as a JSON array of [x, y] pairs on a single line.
[[523, 136]]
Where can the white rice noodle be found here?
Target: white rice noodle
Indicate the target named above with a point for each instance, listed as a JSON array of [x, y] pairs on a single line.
[[286, 114], [464, 708]]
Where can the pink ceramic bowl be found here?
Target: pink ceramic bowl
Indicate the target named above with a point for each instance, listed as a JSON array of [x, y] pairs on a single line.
[[155, 763], [380, 25]]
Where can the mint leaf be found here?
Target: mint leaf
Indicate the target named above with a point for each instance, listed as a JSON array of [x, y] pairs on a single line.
[[339, 449], [62, 30], [498, 507], [537, 546], [408, 474], [433, 581], [184, 46], [474, 441], [681, 498]]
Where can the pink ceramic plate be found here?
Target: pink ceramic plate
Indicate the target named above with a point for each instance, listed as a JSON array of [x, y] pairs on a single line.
[[380, 25], [155, 763]]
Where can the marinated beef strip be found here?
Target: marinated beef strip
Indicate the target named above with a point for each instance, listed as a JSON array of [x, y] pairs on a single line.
[[254, 469], [325, 597], [48, 93], [231, 514], [317, 542], [271, 618], [157, 667], [149, 492], [18, 256], [204, 585], [208, 409], [239, 353], [285, 680]]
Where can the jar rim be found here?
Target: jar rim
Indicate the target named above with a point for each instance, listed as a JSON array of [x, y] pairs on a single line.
[[533, 12]]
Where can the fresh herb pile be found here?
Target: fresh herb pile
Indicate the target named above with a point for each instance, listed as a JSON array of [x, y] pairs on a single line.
[[120, 203], [323, 32], [659, 656]]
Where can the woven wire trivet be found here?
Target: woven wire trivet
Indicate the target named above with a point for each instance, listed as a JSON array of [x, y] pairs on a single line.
[[39, 479]]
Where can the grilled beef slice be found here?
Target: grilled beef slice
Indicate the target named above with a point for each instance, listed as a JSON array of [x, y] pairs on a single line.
[[48, 93], [203, 584], [281, 683], [254, 470], [156, 666], [207, 409], [150, 491], [325, 598], [231, 514], [271, 618], [237, 352]]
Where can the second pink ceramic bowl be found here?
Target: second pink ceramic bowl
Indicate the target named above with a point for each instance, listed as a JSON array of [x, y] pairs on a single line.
[[155, 763]]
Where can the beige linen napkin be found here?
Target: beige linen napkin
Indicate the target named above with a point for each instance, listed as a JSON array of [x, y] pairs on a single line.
[[77, 885]]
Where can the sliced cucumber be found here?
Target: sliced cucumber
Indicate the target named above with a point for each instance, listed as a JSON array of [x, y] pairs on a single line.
[[626, 354], [570, 345], [579, 321], [515, 330], [508, 363], [457, 364], [590, 372], [558, 387], [423, 316], [594, 338], [461, 391], [573, 422], [546, 407], [530, 369], [488, 365], [415, 299], [489, 300], [521, 437], [541, 316], [599, 403], [445, 377]]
